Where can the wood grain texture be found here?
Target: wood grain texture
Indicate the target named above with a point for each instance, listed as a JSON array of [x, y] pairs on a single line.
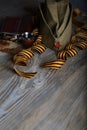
[[53, 100]]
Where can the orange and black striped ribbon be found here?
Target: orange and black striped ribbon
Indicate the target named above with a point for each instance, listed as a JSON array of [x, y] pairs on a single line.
[[70, 51], [23, 56], [22, 59], [40, 48], [56, 64], [81, 45]]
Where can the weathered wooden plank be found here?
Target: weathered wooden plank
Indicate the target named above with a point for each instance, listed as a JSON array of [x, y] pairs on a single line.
[[64, 110], [49, 101]]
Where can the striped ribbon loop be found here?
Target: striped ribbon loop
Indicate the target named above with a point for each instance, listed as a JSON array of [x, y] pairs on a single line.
[[56, 64], [70, 46], [24, 74], [35, 31], [73, 39], [62, 55], [71, 52], [67, 53], [83, 28], [40, 48], [22, 59], [81, 45], [82, 35], [38, 40]]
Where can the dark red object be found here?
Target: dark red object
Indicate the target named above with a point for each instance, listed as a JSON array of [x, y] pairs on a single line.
[[57, 45], [18, 24], [27, 43]]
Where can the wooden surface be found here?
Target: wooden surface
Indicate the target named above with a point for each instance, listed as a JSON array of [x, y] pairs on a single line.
[[52, 100]]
